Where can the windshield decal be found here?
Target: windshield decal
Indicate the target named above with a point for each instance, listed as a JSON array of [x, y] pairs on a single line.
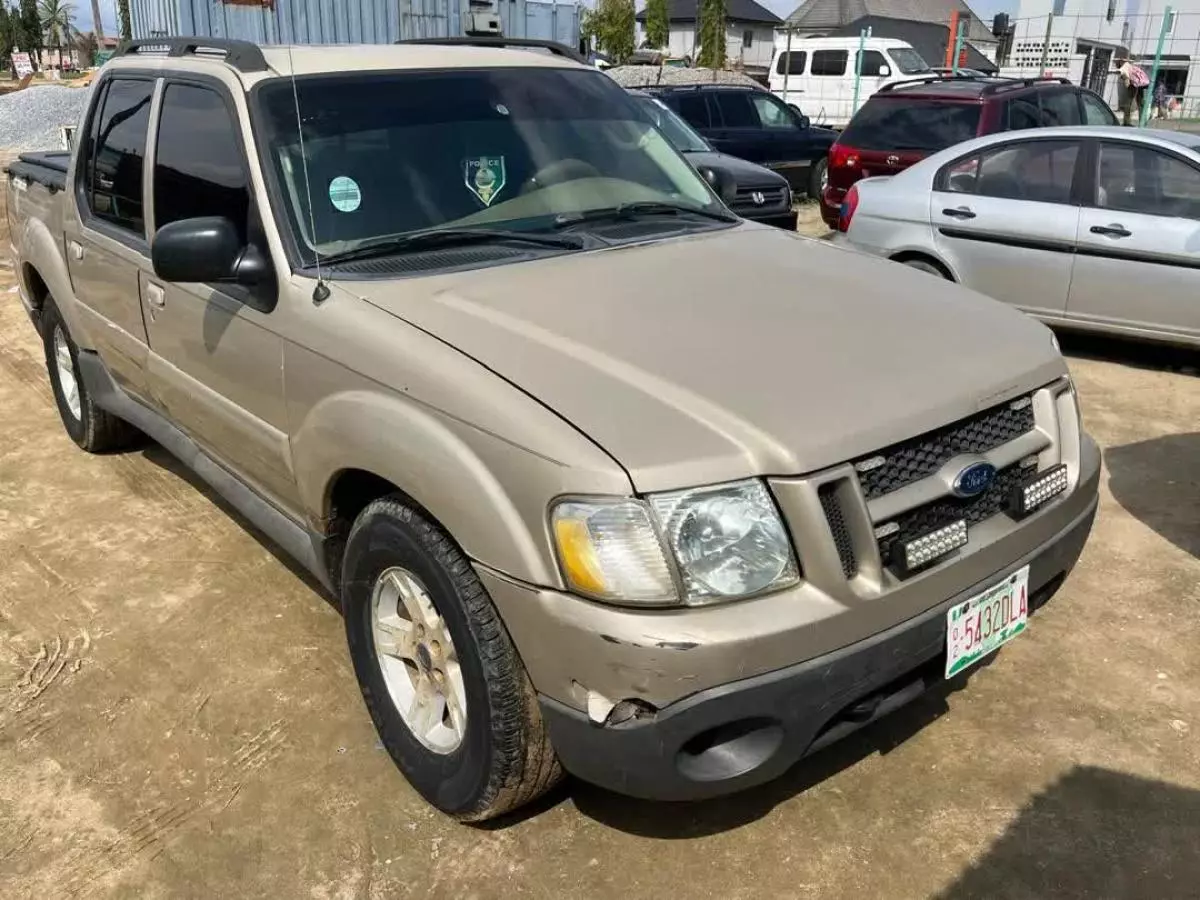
[[345, 194], [485, 177]]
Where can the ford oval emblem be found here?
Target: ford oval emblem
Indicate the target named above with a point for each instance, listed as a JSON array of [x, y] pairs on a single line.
[[974, 479]]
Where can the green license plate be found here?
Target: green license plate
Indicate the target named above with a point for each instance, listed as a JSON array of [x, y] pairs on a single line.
[[986, 622]]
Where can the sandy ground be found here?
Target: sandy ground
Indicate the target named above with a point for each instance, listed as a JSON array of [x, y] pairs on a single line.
[[178, 717]]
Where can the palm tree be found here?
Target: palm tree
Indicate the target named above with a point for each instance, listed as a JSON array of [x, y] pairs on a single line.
[[56, 23]]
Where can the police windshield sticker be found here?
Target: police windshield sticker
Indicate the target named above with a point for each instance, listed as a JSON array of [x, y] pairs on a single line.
[[345, 194], [485, 177]]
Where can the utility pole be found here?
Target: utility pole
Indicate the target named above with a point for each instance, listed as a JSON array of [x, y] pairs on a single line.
[[1046, 44], [1149, 96]]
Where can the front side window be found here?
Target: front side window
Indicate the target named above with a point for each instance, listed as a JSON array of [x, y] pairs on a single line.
[[1059, 108], [389, 153], [113, 181], [198, 165], [736, 111], [829, 62], [1144, 180], [908, 61], [772, 112], [791, 63], [872, 64], [1040, 171]]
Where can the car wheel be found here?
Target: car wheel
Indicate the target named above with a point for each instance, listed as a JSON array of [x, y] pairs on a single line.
[[818, 178], [92, 428], [441, 679], [925, 266]]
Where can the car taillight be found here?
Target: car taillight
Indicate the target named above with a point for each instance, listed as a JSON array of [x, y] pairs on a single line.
[[849, 205], [842, 157]]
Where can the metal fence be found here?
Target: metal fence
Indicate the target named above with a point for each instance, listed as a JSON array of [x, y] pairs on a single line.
[[1088, 49]]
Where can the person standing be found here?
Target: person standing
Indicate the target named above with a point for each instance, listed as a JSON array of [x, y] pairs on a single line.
[[1160, 99]]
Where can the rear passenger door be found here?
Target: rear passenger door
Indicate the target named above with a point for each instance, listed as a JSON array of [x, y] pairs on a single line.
[[737, 129], [216, 361], [1005, 219], [693, 108], [1138, 261], [107, 247]]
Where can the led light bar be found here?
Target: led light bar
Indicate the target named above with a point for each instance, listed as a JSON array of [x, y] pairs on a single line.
[[1037, 491], [921, 551]]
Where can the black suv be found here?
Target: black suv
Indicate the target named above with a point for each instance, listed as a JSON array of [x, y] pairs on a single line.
[[754, 124]]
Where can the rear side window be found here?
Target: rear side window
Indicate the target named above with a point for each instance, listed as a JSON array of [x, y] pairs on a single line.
[[694, 109], [793, 65], [736, 111], [1041, 171], [1022, 112], [905, 123], [113, 181], [1060, 108], [199, 170], [829, 62], [1096, 111], [872, 63]]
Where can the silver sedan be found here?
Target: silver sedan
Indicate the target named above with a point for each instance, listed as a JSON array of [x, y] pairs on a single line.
[[1085, 227]]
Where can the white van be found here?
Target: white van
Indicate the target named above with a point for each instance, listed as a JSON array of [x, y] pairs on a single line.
[[819, 77]]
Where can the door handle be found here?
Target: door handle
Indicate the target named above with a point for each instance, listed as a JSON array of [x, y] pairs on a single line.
[[1113, 230], [76, 250], [961, 212], [155, 296]]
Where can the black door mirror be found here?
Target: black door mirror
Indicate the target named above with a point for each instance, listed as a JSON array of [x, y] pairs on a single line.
[[721, 181], [205, 251], [801, 118]]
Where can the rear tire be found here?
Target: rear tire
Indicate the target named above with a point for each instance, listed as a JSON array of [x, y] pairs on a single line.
[[926, 266], [817, 178], [424, 634], [93, 429]]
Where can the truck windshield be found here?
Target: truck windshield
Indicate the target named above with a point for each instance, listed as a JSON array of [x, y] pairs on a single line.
[[517, 148], [908, 61]]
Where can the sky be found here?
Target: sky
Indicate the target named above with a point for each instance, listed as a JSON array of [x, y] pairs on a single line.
[[83, 15]]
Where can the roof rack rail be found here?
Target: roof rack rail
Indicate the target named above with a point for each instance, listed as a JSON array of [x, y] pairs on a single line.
[[932, 78], [242, 55], [496, 41]]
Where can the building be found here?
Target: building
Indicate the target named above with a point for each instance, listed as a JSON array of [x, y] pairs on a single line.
[[822, 18], [358, 22], [749, 32]]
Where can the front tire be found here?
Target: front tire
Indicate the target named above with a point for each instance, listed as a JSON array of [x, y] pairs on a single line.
[[93, 429], [442, 682]]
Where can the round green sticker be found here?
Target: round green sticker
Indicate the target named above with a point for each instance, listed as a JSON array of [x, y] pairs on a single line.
[[344, 194]]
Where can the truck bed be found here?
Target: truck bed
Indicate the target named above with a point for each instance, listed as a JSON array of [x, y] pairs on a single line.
[[34, 190], [47, 168]]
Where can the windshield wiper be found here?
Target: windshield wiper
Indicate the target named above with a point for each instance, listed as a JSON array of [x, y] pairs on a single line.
[[449, 237], [639, 208]]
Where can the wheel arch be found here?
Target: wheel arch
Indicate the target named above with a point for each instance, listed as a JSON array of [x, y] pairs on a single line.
[[905, 256]]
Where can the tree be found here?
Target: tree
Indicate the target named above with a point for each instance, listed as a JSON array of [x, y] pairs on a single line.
[[29, 27], [123, 16], [611, 26], [7, 35], [712, 34], [56, 22], [658, 23]]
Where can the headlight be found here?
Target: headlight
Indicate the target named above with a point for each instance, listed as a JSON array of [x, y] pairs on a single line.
[[723, 542]]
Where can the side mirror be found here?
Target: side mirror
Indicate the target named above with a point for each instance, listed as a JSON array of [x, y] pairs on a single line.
[[885, 71], [801, 119], [206, 250], [721, 181]]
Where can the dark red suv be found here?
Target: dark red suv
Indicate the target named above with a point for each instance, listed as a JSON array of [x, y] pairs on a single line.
[[906, 121]]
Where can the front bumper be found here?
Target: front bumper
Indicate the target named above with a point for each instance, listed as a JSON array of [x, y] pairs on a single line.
[[736, 735]]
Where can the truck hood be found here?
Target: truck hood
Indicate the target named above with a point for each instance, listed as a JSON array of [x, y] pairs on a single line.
[[740, 352]]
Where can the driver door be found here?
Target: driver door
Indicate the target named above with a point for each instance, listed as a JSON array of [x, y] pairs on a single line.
[[216, 362], [1005, 220]]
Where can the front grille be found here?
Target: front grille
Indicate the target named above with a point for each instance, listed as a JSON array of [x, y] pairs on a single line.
[[924, 519], [920, 457], [772, 196], [837, 524]]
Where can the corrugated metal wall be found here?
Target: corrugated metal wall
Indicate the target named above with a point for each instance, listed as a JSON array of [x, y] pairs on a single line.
[[345, 21]]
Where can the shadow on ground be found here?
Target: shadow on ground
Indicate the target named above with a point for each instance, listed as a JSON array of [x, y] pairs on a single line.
[[1141, 354], [1094, 833], [1158, 482]]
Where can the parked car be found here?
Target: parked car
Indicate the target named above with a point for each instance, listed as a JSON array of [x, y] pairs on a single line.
[[602, 477], [1090, 228], [818, 74], [756, 193], [753, 124], [905, 122]]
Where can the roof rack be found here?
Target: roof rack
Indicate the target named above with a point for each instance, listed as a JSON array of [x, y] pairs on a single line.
[[496, 41], [242, 55], [932, 78], [991, 83]]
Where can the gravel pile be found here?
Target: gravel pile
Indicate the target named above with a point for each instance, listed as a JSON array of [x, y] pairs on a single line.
[[650, 76], [31, 119]]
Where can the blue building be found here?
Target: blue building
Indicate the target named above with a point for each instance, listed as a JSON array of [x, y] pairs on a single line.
[[351, 21]]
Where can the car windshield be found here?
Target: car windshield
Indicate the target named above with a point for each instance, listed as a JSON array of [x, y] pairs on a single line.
[[905, 123], [387, 153], [908, 60], [678, 132]]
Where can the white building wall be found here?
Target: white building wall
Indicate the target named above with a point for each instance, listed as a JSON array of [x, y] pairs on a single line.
[[681, 41]]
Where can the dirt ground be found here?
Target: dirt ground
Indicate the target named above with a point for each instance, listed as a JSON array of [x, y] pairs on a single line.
[[178, 717]]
